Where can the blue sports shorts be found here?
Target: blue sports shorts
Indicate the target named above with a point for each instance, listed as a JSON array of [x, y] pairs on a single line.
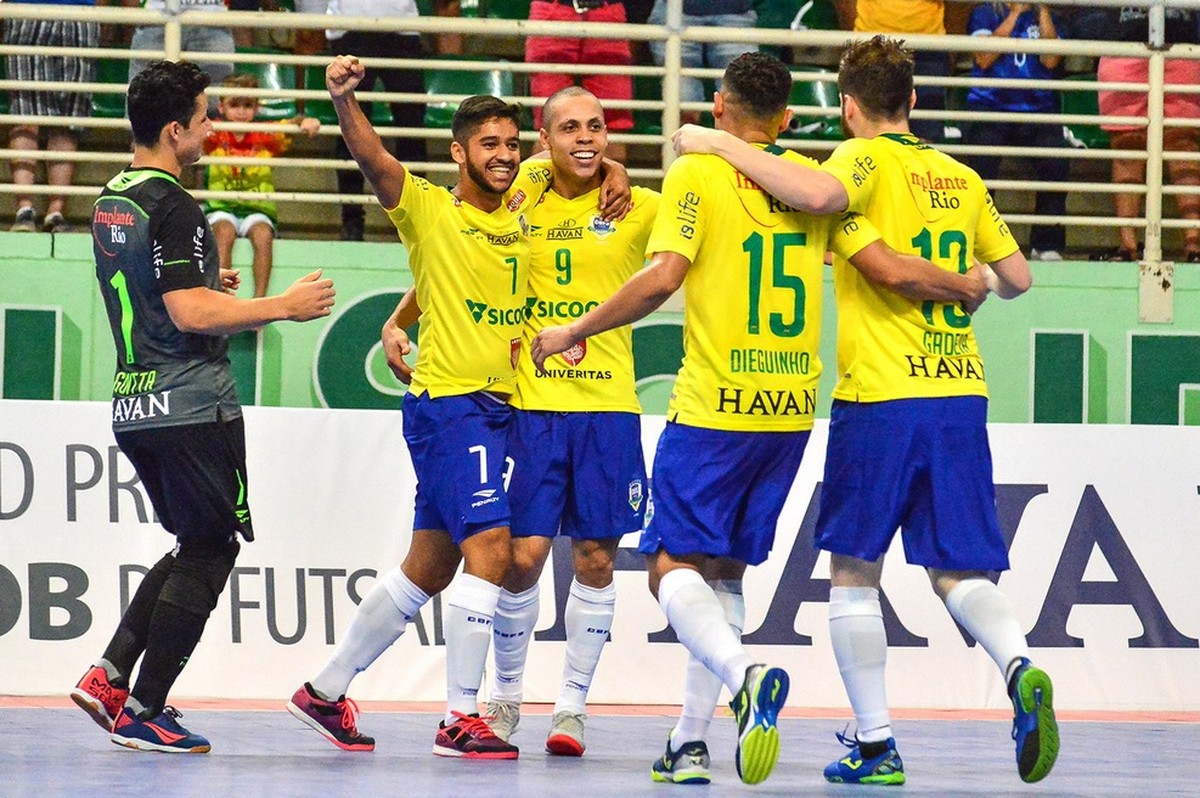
[[718, 492], [579, 473], [458, 446], [919, 465]]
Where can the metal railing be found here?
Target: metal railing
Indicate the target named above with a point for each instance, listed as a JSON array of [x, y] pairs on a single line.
[[668, 106]]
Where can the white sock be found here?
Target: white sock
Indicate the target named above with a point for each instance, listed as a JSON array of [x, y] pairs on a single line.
[[469, 612], [379, 621], [516, 615], [860, 646], [696, 615], [589, 616], [987, 616], [702, 688]]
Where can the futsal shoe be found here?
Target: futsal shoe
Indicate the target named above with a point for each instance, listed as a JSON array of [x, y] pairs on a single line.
[[506, 717], [756, 708], [883, 768], [336, 721], [99, 697], [566, 734], [470, 737], [688, 765], [160, 733], [1034, 726]]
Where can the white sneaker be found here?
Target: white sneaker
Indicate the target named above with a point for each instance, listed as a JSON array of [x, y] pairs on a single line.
[[505, 718], [566, 734], [1045, 255]]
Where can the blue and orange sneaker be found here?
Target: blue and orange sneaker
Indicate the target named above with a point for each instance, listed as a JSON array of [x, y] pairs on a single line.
[[336, 721], [160, 733], [756, 708], [854, 768], [99, 697], [1034, 726]]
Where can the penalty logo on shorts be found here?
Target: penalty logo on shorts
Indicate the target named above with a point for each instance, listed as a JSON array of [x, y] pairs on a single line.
[[636, 495]]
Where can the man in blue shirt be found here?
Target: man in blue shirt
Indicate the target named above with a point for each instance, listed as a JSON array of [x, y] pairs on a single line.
[[1020, 21]]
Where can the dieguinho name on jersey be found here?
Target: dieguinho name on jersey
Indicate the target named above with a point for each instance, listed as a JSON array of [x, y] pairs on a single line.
[[563, 309], [765, 402], [135, 408], [944, 368], [127, 383], [947, 343], [769, 361]]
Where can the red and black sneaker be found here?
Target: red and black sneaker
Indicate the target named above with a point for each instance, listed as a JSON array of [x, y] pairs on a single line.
[[470, 737], [99, 697], [335, 720]]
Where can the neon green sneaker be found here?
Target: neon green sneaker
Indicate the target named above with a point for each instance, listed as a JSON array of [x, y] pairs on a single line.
[[1034, 726], [756, 709]]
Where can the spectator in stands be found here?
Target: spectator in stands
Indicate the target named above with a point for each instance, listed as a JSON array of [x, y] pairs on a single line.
[[390, 42], [697, 55], [1130, 24], [194, 39], [1020, 21], [900, 17], [49, 33], [252, 219], [578, 50]]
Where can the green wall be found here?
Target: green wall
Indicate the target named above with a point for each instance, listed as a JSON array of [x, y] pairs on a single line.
[[1071, 350]]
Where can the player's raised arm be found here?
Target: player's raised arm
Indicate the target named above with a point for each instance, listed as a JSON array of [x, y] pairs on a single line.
[[802, 187], [379, 167], [638, 298]]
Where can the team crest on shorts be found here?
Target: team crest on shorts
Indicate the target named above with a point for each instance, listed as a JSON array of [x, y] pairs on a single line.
[[601, 228], [514, 351], [575, 355], [636, 495]]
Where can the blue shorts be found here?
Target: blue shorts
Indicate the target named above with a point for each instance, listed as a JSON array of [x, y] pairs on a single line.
[[458, 446], [720, 493], [920, 465], [581, 473]]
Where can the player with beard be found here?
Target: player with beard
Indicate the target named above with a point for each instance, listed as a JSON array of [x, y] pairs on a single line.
[[914, 369], [469, 255]]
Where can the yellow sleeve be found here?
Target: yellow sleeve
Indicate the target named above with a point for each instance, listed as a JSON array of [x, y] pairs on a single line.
[[417, 202], [533, 180], [853, 164], [679, 225], [993, 240], [646, 202], [851, 233]]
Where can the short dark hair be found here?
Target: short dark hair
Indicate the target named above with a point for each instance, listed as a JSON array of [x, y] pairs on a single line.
[[473, 112], [758, 83], [878, 74], [562, 94], [162, 93]]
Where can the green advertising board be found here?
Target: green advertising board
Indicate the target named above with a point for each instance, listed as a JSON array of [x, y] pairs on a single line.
[[1069, 351]]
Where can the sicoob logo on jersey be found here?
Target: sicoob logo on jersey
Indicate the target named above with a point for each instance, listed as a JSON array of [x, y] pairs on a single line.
[[575, 355]]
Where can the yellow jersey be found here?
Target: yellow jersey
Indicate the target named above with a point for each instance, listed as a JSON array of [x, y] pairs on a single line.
[[752, 298], [471, 271], [924, 203], [900, 16], [578, 261]]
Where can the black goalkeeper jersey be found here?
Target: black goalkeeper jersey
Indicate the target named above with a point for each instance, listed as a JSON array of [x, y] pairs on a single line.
[[149, 237]]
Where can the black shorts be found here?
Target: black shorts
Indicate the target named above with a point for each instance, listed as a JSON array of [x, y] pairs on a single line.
[[195, 475]]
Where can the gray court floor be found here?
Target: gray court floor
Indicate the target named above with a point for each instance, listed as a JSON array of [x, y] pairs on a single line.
[[59, 752]]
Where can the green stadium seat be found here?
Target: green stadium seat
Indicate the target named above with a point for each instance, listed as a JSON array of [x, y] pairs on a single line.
[[645, 122], [3, 94], [506, 9], [110, 105], [816, 15], [440, 114], [1084, 101], [271, 76], [322, 110], [818, 94]]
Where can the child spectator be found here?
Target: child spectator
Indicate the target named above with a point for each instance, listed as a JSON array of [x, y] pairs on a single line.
[[252, 219]]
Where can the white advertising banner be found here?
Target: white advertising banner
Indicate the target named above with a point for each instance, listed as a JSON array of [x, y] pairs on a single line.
[[1102, 522]]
